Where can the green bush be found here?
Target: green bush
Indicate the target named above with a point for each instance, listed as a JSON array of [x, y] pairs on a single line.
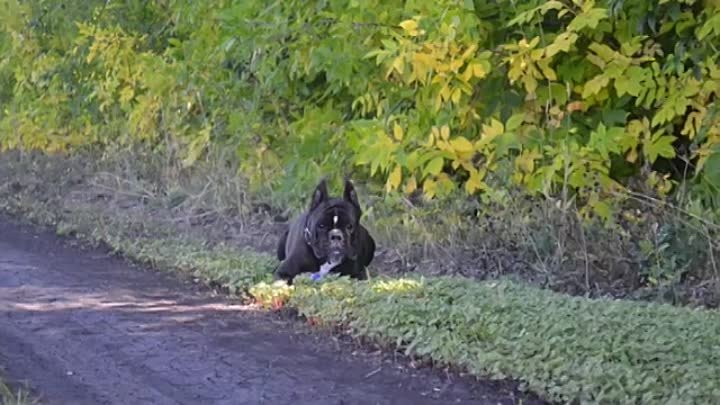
[[576, 99]]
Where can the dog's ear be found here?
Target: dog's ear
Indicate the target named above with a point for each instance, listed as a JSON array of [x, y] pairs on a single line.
[[350, 195], [319, 195]]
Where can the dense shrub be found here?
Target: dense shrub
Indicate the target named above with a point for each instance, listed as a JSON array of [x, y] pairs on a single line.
[[592, 351], [573, 99]]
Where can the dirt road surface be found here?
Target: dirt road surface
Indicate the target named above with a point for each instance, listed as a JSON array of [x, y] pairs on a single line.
[[85, 328]]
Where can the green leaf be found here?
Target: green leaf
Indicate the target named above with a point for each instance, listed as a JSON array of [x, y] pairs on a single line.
[[595, 85], [514, 121], [711, 168], [603, 210], [659, 145], [606, 141], [434, 166], [606, 53], [562, 43], [711, 25], [631, 82], [589, 19], [674, 105]]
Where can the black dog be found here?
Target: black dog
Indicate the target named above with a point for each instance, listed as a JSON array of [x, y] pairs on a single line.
[[327, 237]]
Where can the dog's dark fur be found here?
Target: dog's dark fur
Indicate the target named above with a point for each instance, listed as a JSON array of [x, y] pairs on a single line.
[[329, 231]]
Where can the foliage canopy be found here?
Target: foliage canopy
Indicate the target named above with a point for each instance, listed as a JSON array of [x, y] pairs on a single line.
[[572, 98]]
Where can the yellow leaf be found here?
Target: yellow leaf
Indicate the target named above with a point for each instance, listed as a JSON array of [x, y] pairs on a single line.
[[442, 67], [494, 129], [126, 94], [562, 43], [547, 71], [467, 165], [537, 54], [526, 161], [443, 145], [594, 85], [431, 138], [479, 70], [469, 51], [456, 65], [456, 96], [394, 179], [530, 83], [475, 181], [398, 65], [445, 92], [632, 155], [445, 132], [693, 124], [410, 26], [421, 64], [461, 144], [467, 74], [438, 79], [429, 188], [410, 185], [398, 132]]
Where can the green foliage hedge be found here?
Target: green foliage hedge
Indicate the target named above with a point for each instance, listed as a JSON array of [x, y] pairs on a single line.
[[573, 98]]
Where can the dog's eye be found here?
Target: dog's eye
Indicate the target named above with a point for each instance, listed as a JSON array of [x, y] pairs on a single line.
[[321, 226], [349, 227]]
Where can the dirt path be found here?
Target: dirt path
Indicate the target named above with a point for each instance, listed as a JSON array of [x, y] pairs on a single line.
[[86, 328]]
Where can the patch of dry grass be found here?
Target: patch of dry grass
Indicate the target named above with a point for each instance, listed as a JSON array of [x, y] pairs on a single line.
[[15, 396]]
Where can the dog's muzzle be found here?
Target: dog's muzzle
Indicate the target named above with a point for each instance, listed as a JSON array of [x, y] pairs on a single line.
[[337, 245]]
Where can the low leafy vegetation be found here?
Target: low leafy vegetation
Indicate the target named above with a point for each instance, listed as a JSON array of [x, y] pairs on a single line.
[[570, 349]]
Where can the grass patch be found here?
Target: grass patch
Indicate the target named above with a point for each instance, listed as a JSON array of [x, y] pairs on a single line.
[[14, 396]]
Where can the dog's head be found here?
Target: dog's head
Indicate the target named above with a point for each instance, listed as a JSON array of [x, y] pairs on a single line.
[[332, 224]]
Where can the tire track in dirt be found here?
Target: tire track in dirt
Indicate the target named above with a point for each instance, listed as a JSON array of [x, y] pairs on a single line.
[[86, 328]]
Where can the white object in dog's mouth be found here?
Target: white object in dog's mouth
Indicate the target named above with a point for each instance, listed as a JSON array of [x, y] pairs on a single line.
[[335, 257], [327, 266]]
